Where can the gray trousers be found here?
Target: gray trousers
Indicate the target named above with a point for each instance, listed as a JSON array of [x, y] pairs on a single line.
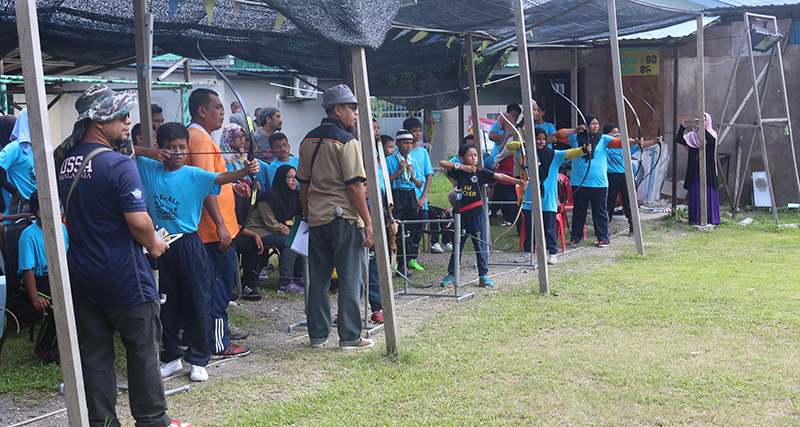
[[335, 245], [140, 329]]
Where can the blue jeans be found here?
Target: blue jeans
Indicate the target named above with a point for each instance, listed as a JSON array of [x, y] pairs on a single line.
[[374, 283], [335, 245], [596, 196]]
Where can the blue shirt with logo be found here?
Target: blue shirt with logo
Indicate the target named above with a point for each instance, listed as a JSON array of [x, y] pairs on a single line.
[[424, 159], [31, 250], [598, 177], [17, 159], [392, 164], [107, 267], [176, 198]]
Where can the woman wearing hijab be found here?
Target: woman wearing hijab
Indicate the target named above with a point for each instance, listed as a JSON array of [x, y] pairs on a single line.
[[272, 220], [6, 127], [691, 182]]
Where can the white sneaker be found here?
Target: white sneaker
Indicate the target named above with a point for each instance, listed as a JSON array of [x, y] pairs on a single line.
[[170, 368], [449, 247], [505, 224], [524, 258], [436, 248], [364, 343], [552, 259], [199, 373]]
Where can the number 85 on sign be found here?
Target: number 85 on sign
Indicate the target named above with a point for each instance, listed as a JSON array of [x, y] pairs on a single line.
[[639, 62]]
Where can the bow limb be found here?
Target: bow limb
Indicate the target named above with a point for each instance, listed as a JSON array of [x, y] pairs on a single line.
[[591, 155], [638, 125], [250, 151], [658, 120]]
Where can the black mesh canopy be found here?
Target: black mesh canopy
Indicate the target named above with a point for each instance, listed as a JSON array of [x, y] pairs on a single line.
[[314, 34]]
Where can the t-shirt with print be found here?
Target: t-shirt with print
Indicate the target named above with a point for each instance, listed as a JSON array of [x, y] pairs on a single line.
[[338, 163], [200, 142], [424, 159], [107, 267], [176, 198], [31, 250], [616, 164], [470, 185], [17, 159], [262, 142]]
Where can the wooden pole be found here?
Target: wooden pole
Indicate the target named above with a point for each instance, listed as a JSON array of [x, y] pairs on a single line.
[[357, 74], [55, 250], [473, 100], [573, 86], [701, 132], [530, 145], [623, 126], [461, 132], [143, 30], [675, 131]]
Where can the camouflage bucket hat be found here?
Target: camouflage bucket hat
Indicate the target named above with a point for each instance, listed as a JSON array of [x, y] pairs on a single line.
[[100, 103]]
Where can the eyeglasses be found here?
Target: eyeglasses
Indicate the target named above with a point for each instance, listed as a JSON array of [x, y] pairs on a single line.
[[292, 177], [353, 107], [240, 137]]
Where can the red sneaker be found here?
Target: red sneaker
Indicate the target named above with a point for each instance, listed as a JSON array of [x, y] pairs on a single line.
[[179, 424], [233, 351], [377, 317]]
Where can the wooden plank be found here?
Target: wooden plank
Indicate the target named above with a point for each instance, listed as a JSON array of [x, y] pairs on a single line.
[[626, 154], [55, 250], [142, 23], [701, 108], [530, 144], [357, 74], [473, 99]]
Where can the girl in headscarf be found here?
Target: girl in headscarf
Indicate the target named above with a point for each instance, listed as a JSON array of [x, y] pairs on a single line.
[[232, 144], [272, 220], [691, 182], [6, 127]]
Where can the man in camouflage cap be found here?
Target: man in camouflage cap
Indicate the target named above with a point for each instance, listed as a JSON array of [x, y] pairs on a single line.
[[112, 284]]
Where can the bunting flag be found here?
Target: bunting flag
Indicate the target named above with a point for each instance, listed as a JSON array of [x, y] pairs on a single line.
[[434, 38], [279, 21], [209, 9], [484, 45], [401, 34], [420, 35], [173, 7], [450, 40], [236, 7]]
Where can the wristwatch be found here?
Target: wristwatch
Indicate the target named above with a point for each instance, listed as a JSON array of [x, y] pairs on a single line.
[[458, 165]]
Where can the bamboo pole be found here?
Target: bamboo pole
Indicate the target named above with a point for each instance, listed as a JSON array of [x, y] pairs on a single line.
[[701, 108]]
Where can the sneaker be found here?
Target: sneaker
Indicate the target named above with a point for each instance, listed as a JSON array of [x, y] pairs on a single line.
[[524, 258], [264, 274], [233, 351], [198, 373], [319, 345], [552, 259], [449, 247], [170, 368], [364, 343], [178, 424], [436, 248], [602, 244], [630, 232], [448, 281], [250, 294], [574, 243], [415, 265], [377, 317], [505, 223], [236, 333], [292, 287], [485, 282]]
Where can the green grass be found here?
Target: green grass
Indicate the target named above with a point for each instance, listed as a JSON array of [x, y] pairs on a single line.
[[701, 330]]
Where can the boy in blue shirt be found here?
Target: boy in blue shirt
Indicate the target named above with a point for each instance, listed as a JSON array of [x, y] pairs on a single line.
[[17, 174], [425, 174], [279, 146], [33, 269], [404, 181], [175, 195]]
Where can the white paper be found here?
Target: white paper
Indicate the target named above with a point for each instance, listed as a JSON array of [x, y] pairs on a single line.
[[300, 243]]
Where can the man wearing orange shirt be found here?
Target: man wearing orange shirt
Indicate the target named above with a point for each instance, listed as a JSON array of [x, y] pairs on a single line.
[[218, 223]]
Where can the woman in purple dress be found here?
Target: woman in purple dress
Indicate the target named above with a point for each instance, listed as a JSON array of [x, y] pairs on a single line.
[[692, 181]]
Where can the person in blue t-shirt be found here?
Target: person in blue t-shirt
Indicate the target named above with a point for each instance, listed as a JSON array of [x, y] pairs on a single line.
[[175, 194], [616, 175], [279, 146], [424, 174], [33, 269], [405, 181], [17, 174], [549, 161]]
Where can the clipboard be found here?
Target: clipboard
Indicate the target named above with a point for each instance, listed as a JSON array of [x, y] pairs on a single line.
[[298, 236]]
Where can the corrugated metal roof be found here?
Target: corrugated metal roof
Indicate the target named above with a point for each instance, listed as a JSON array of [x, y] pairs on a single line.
[[675, 31], [719, 4]]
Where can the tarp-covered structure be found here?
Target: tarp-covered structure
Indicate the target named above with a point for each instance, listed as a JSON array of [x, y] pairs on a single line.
[[422, 42]]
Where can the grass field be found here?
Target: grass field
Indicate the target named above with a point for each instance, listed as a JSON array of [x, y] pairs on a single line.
[[701, 330]]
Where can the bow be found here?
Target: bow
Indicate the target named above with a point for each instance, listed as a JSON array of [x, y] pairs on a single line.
[[591, 154], [639, 125], [660, 149], [523, 175], [250, 151]]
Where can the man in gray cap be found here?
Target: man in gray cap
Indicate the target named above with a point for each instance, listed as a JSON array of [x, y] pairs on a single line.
[[331, 175], [112, 285], [270, 121]]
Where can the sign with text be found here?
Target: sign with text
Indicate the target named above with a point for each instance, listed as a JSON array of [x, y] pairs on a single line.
[[639, 62]]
